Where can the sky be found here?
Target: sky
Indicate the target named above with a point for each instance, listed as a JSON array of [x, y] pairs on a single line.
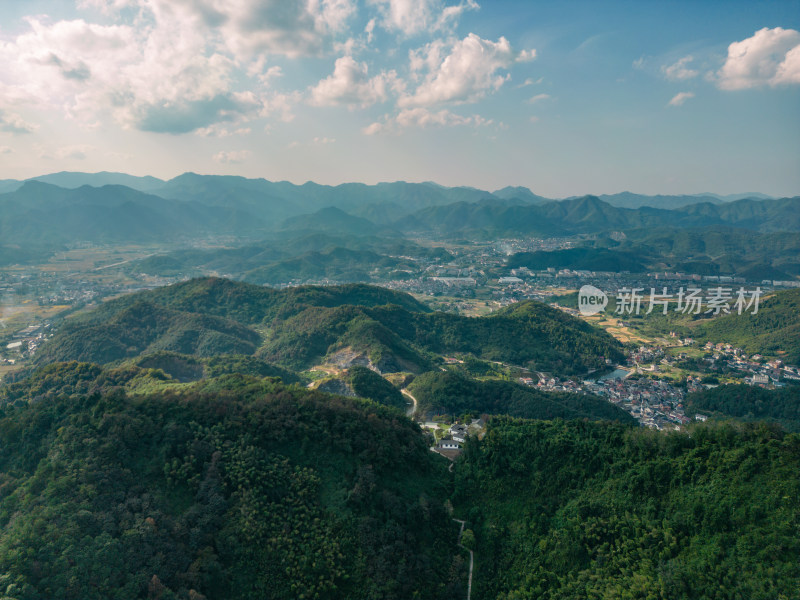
[[564, 97]]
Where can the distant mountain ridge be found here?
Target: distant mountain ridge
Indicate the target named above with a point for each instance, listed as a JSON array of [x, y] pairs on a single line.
[[590, 214], [196, 186], [145, 209]]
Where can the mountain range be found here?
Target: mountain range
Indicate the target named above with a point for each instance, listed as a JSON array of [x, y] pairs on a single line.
[[130, 209]]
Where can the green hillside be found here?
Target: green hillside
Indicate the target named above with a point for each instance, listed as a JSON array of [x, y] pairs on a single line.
[[143, 327], [300, 327], [368, 384], [706, 251], [293, 256], [529, 334], [143, 374], [749, 403], [337, 264], [575, 510], [234, 489], [451, 393], [774, 330]]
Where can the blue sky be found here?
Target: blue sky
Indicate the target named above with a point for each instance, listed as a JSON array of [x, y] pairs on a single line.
[[566, 98]]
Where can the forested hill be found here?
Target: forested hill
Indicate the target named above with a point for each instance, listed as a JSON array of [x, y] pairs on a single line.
[[204, 317], [251, 304], [455, 394], [305, 326], [749, 403], [236, 488], [774, 330], [576, 510]]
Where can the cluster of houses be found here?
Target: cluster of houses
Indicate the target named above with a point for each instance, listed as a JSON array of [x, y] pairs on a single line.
[[653, 402], [25, 342], [453, 440], [759, 373]]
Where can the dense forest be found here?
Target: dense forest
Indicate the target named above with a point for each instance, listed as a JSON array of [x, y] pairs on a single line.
[[529, 334], [749, 403], [234, 488], [576, 509], [300, 327], [170, 476]]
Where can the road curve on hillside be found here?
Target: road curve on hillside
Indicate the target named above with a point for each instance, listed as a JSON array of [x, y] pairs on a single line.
[[410, 412]]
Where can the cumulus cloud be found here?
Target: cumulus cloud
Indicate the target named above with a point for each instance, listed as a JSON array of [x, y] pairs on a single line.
[[13, 123], [680, 70], [252, 27], [231, 156], [422, 118], [350, 84], [680, 98], [526, 55], [771, 57], [151, 78], [465, 72], [175, 70], [411, 17], [289, 27]]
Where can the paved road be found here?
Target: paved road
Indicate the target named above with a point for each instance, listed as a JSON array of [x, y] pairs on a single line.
[[469, 581], [410, 412]]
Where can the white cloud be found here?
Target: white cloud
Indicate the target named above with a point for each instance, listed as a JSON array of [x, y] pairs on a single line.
[[164, 75], [350, 84], [13, 123], [789, 70], [538, 98], [680, 98], [530, 81], [770, 57], [252, 27], [370, 30], [423, 118], [76, 152], [231, 156], [411, 17], [219, 130], [6, 150], [468, 72], [526, 55], [680, 70], [290, 27]]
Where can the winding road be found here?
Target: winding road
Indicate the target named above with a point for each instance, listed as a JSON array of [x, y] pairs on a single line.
[[410, 412]]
